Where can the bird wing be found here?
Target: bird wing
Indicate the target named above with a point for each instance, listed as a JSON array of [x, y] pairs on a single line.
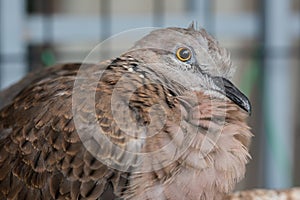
[[50, 146], [41, 154]]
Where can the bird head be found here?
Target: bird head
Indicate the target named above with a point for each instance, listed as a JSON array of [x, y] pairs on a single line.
[[193, 59]]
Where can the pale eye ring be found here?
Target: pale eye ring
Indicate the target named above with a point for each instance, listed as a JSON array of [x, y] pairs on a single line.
[[183, 54]]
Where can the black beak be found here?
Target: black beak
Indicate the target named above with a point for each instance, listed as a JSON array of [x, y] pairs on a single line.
[[227, 88]]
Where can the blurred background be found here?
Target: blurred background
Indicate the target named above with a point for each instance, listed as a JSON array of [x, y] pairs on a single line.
[[262, 35]]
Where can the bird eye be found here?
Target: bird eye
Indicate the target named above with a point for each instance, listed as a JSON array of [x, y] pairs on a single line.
[[183, 54]]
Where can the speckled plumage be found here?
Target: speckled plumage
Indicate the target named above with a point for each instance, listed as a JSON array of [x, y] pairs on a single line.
[[44, 155]]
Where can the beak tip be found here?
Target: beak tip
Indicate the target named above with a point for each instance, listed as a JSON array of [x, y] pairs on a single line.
[[247, 108]]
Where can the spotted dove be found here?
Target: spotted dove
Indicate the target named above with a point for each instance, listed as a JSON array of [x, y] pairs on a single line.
[[161, 121]]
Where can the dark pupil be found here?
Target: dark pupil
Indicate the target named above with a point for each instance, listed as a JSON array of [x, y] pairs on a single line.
[[184, 53]]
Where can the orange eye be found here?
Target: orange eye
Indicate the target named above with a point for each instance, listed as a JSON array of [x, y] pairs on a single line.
[[183, 54]]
